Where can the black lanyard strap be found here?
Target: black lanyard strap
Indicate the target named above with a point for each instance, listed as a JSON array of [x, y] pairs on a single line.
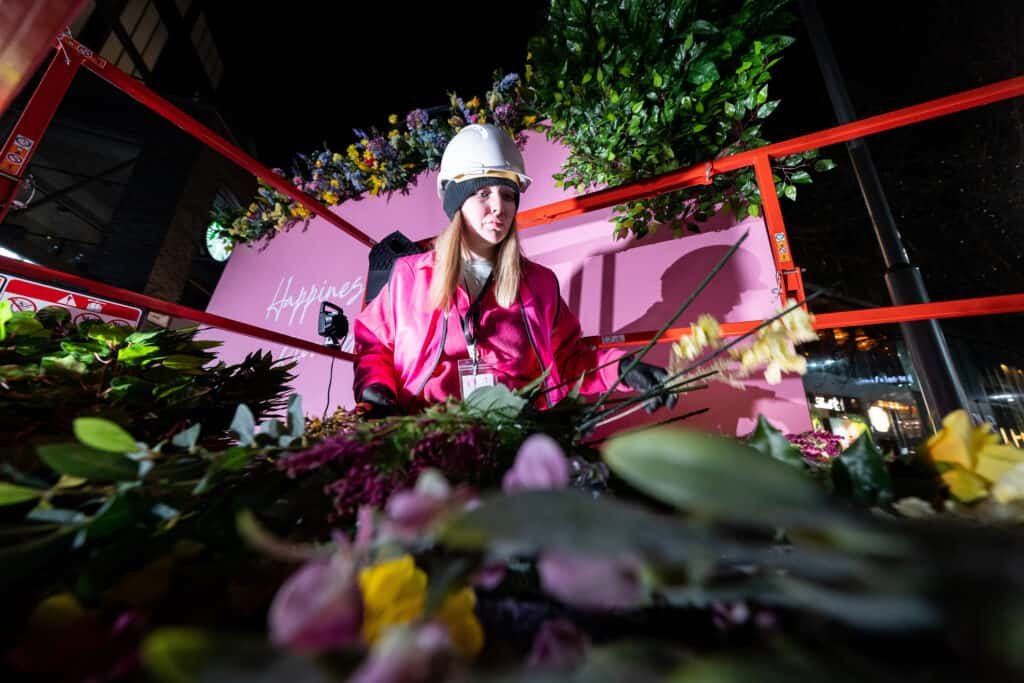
[[471, 322]]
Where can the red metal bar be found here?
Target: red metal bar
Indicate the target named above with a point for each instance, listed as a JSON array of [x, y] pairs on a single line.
[[700, 174], [143, 95], [43, 274], [22, 143], [791, 284], [955, 308], [27, 31]]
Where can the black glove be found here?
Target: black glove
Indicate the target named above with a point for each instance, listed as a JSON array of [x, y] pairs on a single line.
[[644, 377], [380, 399]]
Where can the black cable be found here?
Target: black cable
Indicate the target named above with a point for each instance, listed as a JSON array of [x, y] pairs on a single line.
[[330, 379]]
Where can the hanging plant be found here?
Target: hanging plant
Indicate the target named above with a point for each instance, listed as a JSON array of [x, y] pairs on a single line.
[[637, 88], [377, 162]]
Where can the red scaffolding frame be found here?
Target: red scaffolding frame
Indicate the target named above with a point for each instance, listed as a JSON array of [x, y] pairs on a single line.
[[72, 55]]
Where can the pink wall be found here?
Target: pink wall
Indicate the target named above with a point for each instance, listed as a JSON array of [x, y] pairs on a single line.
[[614, 286]]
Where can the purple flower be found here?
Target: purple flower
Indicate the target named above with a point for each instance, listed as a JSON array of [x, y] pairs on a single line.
[[319, 608], [362, 485], [597, 583], [415, 119], [508, 82], [558, 645], [540, 464], [336, 449], [505, 115], [409, 656]]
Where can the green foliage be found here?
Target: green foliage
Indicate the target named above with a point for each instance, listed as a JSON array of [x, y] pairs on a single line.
[[150, 383], [643, 87]]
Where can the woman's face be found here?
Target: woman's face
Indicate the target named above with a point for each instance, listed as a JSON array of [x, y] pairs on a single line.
[[488, 214]]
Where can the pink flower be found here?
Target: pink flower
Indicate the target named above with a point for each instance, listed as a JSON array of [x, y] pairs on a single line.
[[415, 510], [319, 607], [558, 645], [597, 583], [409, 656], [540, 464]]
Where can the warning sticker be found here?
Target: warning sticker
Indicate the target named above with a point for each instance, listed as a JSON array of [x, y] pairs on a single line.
[[28, 295]]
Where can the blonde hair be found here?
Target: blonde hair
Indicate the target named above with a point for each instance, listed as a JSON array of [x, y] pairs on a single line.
[[448, 266]]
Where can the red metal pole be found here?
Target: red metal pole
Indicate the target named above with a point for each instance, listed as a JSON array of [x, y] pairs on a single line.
[[41, 273], [791, 284], [27, 133], [955, 308], [143, 95]]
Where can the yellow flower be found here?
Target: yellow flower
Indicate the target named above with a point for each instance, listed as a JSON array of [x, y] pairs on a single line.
[[970, 459], [473, 103], [393, 119], [529, 120], [375, 184], [705, 333], [394, 593], [330, 199], [336, 158], [334, 183], [300, 211], [393, 133], [353, 152]]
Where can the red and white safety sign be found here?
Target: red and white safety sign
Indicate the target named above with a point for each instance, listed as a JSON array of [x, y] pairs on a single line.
[[27, 295]]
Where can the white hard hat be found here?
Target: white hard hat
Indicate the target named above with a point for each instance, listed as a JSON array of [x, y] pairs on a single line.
[[480, 150]]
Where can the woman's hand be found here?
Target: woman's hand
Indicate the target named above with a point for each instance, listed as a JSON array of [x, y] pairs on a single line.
[[642, 378], [377, 401]]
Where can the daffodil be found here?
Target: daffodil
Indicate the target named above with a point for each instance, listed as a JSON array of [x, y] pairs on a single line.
[[330, 199], [393, 119], [473, 103], [394, 593], [971, 459]]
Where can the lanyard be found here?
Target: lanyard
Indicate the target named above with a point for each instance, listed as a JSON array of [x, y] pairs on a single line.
[[471, 322]]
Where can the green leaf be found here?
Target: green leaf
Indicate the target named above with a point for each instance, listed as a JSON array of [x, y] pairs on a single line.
[[177, 654], [80, 460], [772, 442], [63, 364], [766, 109], [658, 80], [135, 351], [108, 334], [187, 438], [789, 191], [243, 424], [496, 399], [822, 165], [116, 514], [296, 418], [11, 494], [522, 523], [5, 316], [104, 435], [182, 362], [231, 460], [587, 77], [860, 474], [703, 71], [713, 475], [801, 177]]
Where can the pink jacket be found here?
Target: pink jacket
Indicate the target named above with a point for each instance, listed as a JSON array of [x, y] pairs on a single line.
[[400, 340]]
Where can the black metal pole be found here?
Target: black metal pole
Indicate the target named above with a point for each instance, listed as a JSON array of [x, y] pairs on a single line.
[[929, 353]]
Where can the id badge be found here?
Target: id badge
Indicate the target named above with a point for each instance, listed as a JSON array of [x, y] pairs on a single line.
[[471, 378]]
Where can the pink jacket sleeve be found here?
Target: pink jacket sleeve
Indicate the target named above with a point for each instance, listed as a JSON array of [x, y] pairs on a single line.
[[375, 344], [576, 358]]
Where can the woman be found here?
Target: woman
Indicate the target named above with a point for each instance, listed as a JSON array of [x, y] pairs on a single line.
[[474, 311]]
